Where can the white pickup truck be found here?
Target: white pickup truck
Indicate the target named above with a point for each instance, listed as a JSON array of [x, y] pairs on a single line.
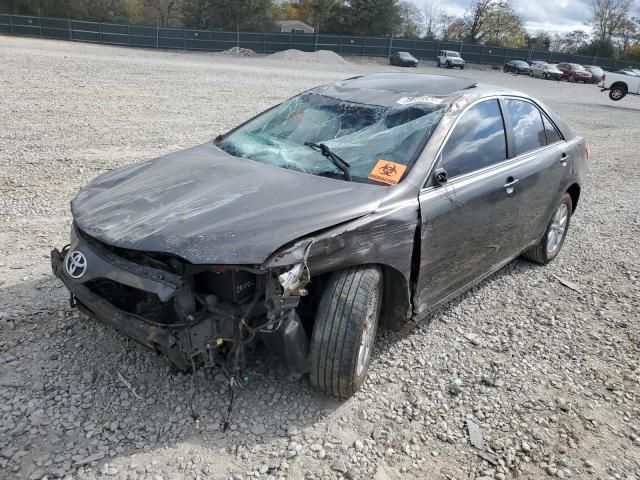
[[621, 83]]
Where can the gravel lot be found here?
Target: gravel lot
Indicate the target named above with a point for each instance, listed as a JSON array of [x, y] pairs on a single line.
[[550, 376]]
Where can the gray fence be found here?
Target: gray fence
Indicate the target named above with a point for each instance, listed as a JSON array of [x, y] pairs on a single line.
[[211, 40]]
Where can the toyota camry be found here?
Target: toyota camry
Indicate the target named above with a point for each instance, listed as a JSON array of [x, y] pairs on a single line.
[[362, 203]]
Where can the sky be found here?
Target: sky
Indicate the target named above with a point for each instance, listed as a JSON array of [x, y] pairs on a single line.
[[555, 16]]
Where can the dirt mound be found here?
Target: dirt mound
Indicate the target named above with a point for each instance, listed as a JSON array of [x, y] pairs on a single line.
[[320, 56]]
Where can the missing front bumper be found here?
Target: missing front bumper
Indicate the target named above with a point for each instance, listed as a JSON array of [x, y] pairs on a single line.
[[182, 345], [133, 326]]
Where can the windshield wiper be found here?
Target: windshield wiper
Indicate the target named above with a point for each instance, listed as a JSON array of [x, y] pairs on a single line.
[[335, 159]]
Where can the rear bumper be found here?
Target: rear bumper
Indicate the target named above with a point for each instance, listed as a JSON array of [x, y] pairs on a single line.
[[154, 337]]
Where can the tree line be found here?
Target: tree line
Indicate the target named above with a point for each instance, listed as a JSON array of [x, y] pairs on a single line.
[[614, 32]]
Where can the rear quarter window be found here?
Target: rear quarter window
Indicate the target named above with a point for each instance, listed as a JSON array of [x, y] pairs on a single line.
[[553, 135], [528, 129]]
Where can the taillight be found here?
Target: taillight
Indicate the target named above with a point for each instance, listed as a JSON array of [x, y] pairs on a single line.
[[586, 151], [603, 77]]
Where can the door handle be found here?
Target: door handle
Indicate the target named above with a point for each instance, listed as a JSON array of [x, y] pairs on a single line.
[[563, 159], [510, 186]]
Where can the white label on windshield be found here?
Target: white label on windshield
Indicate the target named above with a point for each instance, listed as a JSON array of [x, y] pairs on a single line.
[[423, 99]]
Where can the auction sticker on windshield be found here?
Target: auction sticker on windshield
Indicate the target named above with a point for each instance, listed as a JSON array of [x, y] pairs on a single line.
[[387, 172]]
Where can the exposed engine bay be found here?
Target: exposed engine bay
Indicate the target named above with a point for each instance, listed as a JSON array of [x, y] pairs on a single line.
[[197, 315]]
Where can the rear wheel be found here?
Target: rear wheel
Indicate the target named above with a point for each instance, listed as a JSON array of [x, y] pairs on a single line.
[[345, 329], [554, 236], [438, 62]]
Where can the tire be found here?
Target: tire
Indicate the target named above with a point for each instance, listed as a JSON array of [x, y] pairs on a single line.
[[461, 67], [617, 93], [545, 76], [542, 253], [438, 62], [530, 73], [504, 69], [344, 330], [449, 65]]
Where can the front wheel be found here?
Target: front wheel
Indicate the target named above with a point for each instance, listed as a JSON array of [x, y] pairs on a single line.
[[449, 65], [554, 236], [617, 93], [438, 62], [345, 329]]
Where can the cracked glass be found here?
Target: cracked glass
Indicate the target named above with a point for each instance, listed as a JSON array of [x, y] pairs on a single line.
[[358, 133]]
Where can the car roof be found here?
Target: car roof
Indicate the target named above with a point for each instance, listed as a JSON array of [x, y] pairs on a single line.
[[407, 89], [405, 84]]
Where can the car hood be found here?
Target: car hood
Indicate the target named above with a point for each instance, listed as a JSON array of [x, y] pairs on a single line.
[[209, 207]]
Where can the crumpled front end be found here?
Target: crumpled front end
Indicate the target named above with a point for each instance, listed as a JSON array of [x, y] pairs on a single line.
[[193, 314]]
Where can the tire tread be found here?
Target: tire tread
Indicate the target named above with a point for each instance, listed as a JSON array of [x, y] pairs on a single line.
[[333, 350]]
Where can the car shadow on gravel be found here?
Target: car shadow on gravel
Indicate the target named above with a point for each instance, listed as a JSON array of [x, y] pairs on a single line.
[[74, 388], [515, 267]]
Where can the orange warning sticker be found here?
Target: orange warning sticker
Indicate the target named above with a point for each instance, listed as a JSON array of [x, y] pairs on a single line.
[[387, 172]]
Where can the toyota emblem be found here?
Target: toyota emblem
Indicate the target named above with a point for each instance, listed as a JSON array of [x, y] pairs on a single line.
[[75, 264]]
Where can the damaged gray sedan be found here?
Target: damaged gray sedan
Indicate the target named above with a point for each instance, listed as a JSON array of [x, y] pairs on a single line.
[[363, 203]]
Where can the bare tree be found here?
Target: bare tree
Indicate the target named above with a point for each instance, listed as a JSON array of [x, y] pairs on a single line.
[[164, 10], [609, 17], [431, 14]]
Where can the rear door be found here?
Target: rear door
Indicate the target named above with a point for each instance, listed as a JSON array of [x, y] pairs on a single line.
[[467, 223]]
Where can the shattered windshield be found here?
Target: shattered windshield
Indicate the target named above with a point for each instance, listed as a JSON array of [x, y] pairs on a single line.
[[378, 143]]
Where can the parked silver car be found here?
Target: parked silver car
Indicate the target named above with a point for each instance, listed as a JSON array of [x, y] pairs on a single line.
[[371, 200]]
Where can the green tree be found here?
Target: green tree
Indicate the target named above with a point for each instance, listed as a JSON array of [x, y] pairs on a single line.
[[242, 14], [570, 42], [541, 41], [163, 12], [195, 13], [317, 12], [373, 17]]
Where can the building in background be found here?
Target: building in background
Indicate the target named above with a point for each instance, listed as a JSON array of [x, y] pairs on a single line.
[[294, 26]]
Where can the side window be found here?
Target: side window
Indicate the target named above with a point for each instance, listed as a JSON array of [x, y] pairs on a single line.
[[477, 141], [552, 133], [528, 129]]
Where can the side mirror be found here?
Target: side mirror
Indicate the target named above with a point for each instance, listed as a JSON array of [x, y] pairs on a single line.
[[440, 176]]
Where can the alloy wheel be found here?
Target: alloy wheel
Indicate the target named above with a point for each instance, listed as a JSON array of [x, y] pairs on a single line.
[[557, 229], [368, 334]]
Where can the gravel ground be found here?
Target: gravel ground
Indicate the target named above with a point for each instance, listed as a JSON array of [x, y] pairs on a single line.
[[548, 376]]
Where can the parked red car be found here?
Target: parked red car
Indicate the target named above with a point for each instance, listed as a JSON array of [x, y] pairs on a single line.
[[574, 72]]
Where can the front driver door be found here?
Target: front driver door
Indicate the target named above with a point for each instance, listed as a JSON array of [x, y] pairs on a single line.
[[467, 222]]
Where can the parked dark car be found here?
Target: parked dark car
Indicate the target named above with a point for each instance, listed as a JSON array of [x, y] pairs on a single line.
[[403, 59], [516, 66], [372, 200], [574, 72], [597, 73]]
